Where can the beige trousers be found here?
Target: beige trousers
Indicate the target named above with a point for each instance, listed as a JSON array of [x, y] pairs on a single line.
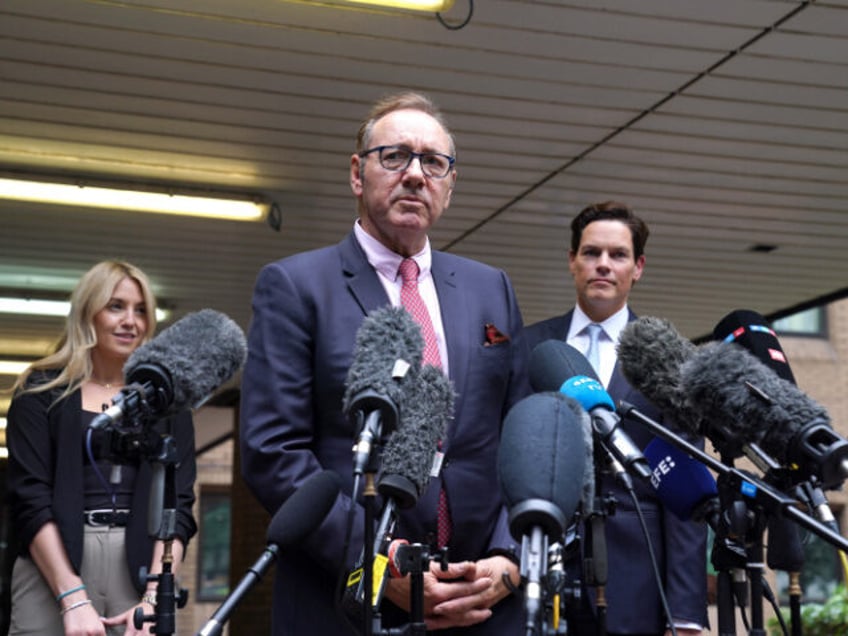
[[107, 583]]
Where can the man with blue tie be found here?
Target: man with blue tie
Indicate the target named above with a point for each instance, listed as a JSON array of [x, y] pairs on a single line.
[[307, 311], [606, 259]]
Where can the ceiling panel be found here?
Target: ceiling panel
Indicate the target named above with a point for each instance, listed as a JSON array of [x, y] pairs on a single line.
[[725, 124]]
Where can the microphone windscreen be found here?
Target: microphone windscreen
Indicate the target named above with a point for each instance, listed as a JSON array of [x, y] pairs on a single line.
[[304, 510], [682, 483], [552, 362], [717, 380], [407, 460], [386, 355], [588, 393], [542, 454], [198, 353], [650, 354], [752, 331]]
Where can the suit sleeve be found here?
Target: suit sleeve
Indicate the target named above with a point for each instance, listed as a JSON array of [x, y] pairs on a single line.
[[686, 567], [280, 425]]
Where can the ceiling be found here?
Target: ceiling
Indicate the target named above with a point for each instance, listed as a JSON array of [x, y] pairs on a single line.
[[723, 123]]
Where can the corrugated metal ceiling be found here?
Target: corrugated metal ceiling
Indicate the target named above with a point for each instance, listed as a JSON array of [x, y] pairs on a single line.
[[723, 123]]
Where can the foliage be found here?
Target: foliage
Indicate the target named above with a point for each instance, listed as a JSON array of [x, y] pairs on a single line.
[[820, 619]]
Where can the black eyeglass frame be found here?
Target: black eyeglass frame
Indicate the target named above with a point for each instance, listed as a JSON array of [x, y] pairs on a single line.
[[412, 156]]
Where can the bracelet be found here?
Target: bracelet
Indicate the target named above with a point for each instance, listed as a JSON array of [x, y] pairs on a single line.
[[78, 588], [73, 606], [149, 597]]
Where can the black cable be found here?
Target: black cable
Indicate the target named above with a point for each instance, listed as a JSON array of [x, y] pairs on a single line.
[[654, 565], [456, 27]]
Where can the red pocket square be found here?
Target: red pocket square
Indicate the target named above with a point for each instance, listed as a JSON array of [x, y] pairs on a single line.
[[494, 335]]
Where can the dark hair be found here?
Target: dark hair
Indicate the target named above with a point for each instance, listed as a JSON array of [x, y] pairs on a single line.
[[610, 211]]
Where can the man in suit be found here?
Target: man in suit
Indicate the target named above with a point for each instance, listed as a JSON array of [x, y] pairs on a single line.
[[606, 259], [307, 310]]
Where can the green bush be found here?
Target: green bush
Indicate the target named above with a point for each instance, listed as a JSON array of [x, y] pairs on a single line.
[[819, 619]]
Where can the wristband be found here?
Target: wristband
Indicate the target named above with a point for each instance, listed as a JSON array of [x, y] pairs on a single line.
[[78, 588], [73, 606]]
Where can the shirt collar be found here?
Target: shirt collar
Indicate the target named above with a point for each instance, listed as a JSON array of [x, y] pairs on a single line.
[[384, 260], [613, 326]]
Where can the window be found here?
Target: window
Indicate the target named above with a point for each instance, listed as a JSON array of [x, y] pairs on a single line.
[[821, 572], [811, 322], [213, 573]]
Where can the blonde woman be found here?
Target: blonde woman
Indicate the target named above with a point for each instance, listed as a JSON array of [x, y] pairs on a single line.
[[81, 526]]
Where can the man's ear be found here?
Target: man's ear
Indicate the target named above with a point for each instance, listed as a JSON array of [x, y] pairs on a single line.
[[356, 174]]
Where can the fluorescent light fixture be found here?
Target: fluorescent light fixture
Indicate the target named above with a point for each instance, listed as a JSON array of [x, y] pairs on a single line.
[[211, 205], [414, 5], [13, 367], [37, 307]]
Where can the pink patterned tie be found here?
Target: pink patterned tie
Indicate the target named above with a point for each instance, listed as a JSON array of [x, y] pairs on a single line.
[[414, 304]]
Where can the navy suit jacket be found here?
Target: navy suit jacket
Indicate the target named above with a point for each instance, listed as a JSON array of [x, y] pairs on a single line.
[[633, 602], [307, 311]]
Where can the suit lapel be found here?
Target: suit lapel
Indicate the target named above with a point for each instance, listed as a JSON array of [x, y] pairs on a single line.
[[452, 306], [362, 280]]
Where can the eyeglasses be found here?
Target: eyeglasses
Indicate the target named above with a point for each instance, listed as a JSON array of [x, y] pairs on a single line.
[[398, 158]]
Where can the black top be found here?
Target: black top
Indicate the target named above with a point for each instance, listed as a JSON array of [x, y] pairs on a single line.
[[45, 476]]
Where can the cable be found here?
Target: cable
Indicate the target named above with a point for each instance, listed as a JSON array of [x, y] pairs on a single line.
[[456, 27]]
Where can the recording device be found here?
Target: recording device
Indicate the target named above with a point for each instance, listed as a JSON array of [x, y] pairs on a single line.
[[542, 470], [386, 358], [177, 370], [426, 407], [744, 402], [752, 331], [299, 515], [557, 366]]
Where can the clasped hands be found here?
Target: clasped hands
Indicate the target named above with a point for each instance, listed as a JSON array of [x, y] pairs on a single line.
[[460, 596]]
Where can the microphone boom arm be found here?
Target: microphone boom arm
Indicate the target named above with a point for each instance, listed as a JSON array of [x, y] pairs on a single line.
[[752, 488]]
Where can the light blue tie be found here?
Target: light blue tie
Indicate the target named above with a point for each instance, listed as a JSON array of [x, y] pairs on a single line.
[[593, 353]]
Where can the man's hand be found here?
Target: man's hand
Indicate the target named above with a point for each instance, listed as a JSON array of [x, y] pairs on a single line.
[[461, 596]]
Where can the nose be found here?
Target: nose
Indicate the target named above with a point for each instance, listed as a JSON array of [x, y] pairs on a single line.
[[415, 170], [128, 317]]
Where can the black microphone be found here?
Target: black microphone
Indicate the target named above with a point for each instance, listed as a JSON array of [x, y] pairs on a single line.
[[650, 354], [386, 357], [407, 460], [751, 330], [178, 369], [541, 469], [299, 515], [557, 366], [743, 402]]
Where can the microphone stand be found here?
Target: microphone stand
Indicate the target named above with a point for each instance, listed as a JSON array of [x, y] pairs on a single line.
[[595, 562], [162, 516], [369, 493], [761, 495]]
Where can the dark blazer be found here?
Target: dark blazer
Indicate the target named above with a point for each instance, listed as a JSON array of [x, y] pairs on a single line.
[[307, 310], [633, 603], [46, 477]]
